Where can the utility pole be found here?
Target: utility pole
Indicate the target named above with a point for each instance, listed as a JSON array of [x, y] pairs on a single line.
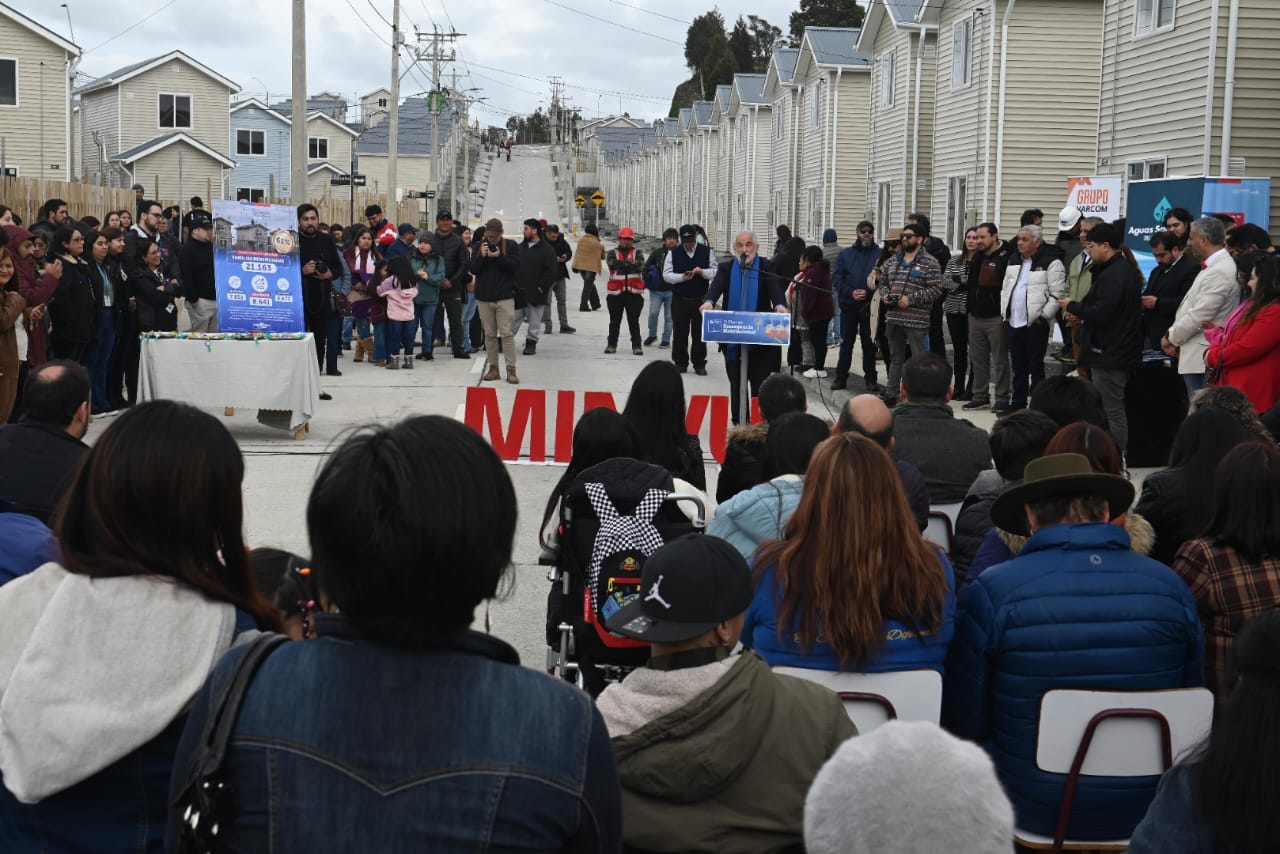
[[453, 152], [436, 56], [298, 123], [393, 129]]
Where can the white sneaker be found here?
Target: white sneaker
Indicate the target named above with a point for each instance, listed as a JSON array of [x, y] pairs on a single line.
[[814, 373]]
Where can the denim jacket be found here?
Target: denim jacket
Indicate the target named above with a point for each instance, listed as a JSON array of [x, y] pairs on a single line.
[[343, 744]]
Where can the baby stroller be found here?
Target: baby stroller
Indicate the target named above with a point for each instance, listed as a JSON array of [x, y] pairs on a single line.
[[612, 517]]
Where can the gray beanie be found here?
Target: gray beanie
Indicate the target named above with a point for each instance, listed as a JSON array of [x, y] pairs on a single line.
[[906, 787]]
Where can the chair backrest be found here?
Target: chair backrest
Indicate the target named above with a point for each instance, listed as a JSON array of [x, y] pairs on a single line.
[[951, 511], [938, 530], [870, 699], [1120, 733]]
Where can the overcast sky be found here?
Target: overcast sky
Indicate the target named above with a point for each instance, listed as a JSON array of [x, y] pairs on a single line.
[[535, 38]]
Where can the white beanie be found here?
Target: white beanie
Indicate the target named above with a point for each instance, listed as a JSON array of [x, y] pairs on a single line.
[[907, 787]]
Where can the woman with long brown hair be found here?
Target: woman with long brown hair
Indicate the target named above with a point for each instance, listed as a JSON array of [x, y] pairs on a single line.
[[12, 304], [851, 585]]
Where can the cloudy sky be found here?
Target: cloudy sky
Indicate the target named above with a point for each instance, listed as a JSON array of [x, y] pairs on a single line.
[[605, 67]]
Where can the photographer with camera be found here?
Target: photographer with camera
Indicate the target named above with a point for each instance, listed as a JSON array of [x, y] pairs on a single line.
[[323, 276], [494, 266]]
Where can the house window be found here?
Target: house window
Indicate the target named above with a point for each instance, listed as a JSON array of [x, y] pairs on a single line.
[[815, 105], [1143, 170], [251, 142], [8, 82], [318, 147], [1152, 16], [957, 192], [249, 194], [815, 212], [886, 79], [382, 102], [175, 111], [962, 53], [884, 202]]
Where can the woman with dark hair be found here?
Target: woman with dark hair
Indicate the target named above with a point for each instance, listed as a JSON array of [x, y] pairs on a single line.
[[851, 585], [1178, 223], [1233, 571], [1223, 797], [397, 711], [587, 258], [361, 258], [1247, 349], [102, 653], [758, 514], [286, 580], [73, 311], [112, 220], [12, 306], [655, 408], [104, 286], [1179, 500], [955, 282], [813, 304], [600, 434], [1233, 401], [156, 309], [122, 388]]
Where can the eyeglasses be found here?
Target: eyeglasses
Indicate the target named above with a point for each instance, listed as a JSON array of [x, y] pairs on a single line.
[[865, 231]]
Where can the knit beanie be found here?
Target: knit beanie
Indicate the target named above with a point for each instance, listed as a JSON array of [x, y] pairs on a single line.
[[907, 787]]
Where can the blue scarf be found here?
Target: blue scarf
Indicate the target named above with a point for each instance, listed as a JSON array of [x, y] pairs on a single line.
[[739, 298]]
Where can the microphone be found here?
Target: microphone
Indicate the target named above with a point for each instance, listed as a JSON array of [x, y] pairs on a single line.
[[742, 259]]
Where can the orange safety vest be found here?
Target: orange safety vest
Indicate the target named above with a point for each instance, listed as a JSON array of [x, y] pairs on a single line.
[[620, 283]]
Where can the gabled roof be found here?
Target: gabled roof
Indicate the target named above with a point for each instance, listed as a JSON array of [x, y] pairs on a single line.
[[903, 11], [115, 78], [414, 134], [322, 103], [723, 91], [702, 112], [898, 14], [39, 29], [375, 92], [158, 143], [686, 118], [784, 60], [313, 168], [339, 125], [254, 102], [749, 88], [832, 46]]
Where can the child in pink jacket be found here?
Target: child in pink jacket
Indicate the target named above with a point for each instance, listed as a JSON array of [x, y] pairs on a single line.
[[399, 287]]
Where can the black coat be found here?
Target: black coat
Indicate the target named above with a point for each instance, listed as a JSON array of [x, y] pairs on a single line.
[[456, 259], [562, 249], [196, 260], [37, 462], [1163, 503], [743, 465], [536, 271], [156, 310], [771, 287], [496, 276], [73, 310], [1168, 285], [316, 292], [1111, 315]]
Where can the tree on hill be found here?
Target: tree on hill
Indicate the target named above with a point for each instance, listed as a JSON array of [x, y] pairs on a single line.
[[752, 42], [713, 56], [824, 13]]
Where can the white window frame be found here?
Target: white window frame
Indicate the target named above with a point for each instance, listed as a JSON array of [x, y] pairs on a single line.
[[1144, 167], [815, 212], [815, 94], [191, 111], [884, 206], [17, 79], [313, 145], [261, 191], [888, 83], [1156, 22], [957, 206], [962, 53], [251, 132]]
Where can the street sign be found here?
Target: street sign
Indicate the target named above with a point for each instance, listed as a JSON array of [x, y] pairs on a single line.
[[357, 180], [413, 194], [340, 181], [597, 198], [431, 194], [579, 200]]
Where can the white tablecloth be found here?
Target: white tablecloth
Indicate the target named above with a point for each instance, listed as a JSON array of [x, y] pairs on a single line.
[[280, 374]]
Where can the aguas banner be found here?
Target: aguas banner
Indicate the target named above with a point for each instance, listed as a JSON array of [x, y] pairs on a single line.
[[1149, 202], [256, 269]]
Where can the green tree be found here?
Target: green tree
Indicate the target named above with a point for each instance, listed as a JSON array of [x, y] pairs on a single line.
[[741, 46], [765, 37], [703, 30], [824, 13]]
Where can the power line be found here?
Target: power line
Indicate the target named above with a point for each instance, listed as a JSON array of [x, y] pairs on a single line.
[[613, 23], [368, 26], [379, 14], [633, 95], [132, 27], [651, 12]]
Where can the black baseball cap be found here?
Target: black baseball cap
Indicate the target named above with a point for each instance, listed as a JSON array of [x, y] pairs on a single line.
[[200, 222], [688, 233], [444, 215], [687, 588], [407, 228]]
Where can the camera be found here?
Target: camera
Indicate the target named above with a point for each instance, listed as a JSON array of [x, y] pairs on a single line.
[[493, 248], [321, 267]]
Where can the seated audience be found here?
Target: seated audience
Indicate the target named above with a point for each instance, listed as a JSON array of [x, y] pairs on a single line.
[[852, 585], [950, 452], [1179, 500], [99, 662], [26, 544], [1077, 608], [656, 409], [744, 452], [1016, 440], [907, 787], [759, 514], [1068, 399], [1233, 570], [1231, 400], [1223, 796], [447, 717], [39, 454], [287, 581], [867, 414], [1247, 348], [682, 723]]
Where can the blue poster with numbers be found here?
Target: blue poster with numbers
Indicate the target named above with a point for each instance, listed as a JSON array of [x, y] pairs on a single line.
[[255, 265]]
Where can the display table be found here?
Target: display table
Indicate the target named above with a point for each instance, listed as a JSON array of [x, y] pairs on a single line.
[[272, 372]]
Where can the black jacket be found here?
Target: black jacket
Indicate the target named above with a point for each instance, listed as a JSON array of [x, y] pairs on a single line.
[[1168, 285], [496, 276], [315, 292], [561, 248], [1163, 503], [196, 260], [1111, 316], [743, 465], [37, 462], [73, 311], [771, 288], [938, 250], [536, 271], [457, 261], [984, 301], [655, 262], [156, 310], [950, 452], [786, 259]]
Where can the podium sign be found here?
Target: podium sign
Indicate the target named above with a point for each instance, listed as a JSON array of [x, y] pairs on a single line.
[[758, 328]]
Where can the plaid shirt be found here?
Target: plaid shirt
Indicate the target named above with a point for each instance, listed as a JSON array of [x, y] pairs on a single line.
[[1228, 591], [920, 281]]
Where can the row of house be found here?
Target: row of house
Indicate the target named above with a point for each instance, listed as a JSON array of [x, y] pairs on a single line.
[[176, 126], [968, 110]]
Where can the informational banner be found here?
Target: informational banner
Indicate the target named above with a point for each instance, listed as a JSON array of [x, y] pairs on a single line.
[[1096, 195], [256, 268], [1149, 202], [766, 328]]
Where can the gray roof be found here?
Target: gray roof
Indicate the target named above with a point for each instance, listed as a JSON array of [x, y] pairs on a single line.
[[156, 142], [785, 58], [750, 88], [106, 81], [834, 45], [702, 112], [686, 117], [615, 141], [414, 131], [903, 10], [723, 91], [335, 108]]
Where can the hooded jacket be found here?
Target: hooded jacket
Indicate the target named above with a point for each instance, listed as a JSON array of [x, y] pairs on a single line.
[[1046, 284], [1111, 317], [758, 514], [718, 758], [743, 461]]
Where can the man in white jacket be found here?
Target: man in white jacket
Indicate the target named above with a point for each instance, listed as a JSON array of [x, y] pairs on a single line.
[[1213, 296], [1029, 296]]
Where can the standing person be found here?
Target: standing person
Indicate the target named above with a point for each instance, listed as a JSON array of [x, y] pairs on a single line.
[[73, 310], [494, 268], [911, 281], [168, 253], [536, 271], [1178, 223], [626, 289], [361, 260], [551, 234], [37, 288], [1246, 350], [852, 279], [321, 270], [399, 288], [104, 285], [955, 281], [384, 233], [747, 282], [659, 288], [942, 254], [1033, 284], [1110, 319], [786, 254], [122, 385], [145, 230], [428, 267], [194, 211], [197, 274], [378, 315], [155, 298], [815, 305], [452, 249], [587, 259], [12, 305], [988, 344], [688, 268], [1212, 297], [406, 237], [1078, 283], [472, 334], [1166, 287]]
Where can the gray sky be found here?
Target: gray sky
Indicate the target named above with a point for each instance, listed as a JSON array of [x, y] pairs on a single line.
[[536, 38]]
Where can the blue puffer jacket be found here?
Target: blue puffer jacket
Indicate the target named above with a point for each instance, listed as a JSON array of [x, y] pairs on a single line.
[[749, 518], [1076, 609]]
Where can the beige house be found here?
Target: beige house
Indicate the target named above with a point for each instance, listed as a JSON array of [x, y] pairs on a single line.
[[329, 150], [375, 106], [723, 216], [36, 69], [779, 90], [752, 153], [163, 123], [1223, 114]]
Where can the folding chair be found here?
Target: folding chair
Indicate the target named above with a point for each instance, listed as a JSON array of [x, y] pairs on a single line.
[[939, 531], [870, 699], [1112, 734]]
